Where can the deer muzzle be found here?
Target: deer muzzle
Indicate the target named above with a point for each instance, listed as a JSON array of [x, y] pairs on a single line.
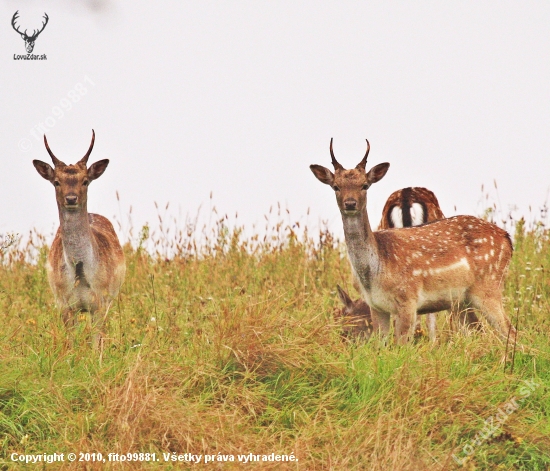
[[71, 200], [350, 205]]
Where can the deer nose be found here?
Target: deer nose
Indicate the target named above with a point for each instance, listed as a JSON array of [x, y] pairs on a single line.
[[71, 199], [350, 205]]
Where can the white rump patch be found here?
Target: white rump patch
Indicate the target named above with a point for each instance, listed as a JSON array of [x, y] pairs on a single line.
[[396, 217], [417, 214]]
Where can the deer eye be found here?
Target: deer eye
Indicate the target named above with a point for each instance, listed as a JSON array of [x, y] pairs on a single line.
[[365, 186], [335, 188], [56, 183], [85, 182]]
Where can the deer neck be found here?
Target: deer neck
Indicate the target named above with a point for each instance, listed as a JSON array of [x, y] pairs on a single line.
[[76, 237], [361, 244]]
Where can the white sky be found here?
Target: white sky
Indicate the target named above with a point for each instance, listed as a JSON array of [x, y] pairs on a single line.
[[240, 97]]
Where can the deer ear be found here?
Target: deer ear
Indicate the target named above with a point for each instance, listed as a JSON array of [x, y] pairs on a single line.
[[344, 297], [324, 175], [44, 170], [377, 172], [97, 169]]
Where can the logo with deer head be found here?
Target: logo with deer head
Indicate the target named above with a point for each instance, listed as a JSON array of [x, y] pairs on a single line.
[[29, 40]]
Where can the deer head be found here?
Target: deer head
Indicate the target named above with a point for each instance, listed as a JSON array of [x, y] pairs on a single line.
[[355, 317], [350, 186], [71, 181], [29, 40]]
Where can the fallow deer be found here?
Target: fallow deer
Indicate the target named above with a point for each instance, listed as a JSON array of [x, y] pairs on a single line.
[[357, 322], [410, 207], [417, 270], [355, 317], [86, 263], [414, 206], [404, 208]]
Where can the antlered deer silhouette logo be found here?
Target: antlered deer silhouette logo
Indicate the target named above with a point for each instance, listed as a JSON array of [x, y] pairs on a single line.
[[29, 40]]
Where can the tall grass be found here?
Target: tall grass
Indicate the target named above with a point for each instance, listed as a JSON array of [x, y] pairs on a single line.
[[224, 342]]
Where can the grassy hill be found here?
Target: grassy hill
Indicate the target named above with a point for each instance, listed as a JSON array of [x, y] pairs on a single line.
[[229, 348]]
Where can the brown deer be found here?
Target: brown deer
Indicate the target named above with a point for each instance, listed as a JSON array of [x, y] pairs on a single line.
[[355, 317], [414, 206], [410, 207], [417, 270], [357, 322], [86, 264], [404, 208]]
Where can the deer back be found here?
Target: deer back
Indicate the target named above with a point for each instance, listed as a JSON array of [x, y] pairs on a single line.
[[411, 206]]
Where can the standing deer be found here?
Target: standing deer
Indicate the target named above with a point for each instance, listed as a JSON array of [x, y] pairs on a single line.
[[414, 206], [417, 270], [404, 208], [86, 264]]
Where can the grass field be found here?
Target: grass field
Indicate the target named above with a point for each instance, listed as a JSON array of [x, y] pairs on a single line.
[[229, 347]]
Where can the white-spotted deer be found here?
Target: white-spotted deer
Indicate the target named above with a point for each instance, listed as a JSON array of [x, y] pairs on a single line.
[[415, 206], [417, 270], [410, 207], [86, 263], [356, 320]]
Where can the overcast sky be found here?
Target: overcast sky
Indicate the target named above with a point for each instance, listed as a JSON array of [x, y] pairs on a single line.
[[240, 97]]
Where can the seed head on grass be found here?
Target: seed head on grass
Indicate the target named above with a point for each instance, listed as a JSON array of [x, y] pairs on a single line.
[[243, 356]]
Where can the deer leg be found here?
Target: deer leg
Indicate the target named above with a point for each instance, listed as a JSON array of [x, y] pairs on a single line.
[[471, 320], [99, 314], [492, 309], [464, 318], [357, 285], [418, 328], [380, 323], [69, 317], [430, 325], [430, 322], [405, 322], [458, 318], [97, 328]]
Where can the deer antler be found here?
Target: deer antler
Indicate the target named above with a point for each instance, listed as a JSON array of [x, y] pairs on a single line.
[[361, 165], [335, 163], [55, 160], [84, 159], [36, 33], [13, 20]]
